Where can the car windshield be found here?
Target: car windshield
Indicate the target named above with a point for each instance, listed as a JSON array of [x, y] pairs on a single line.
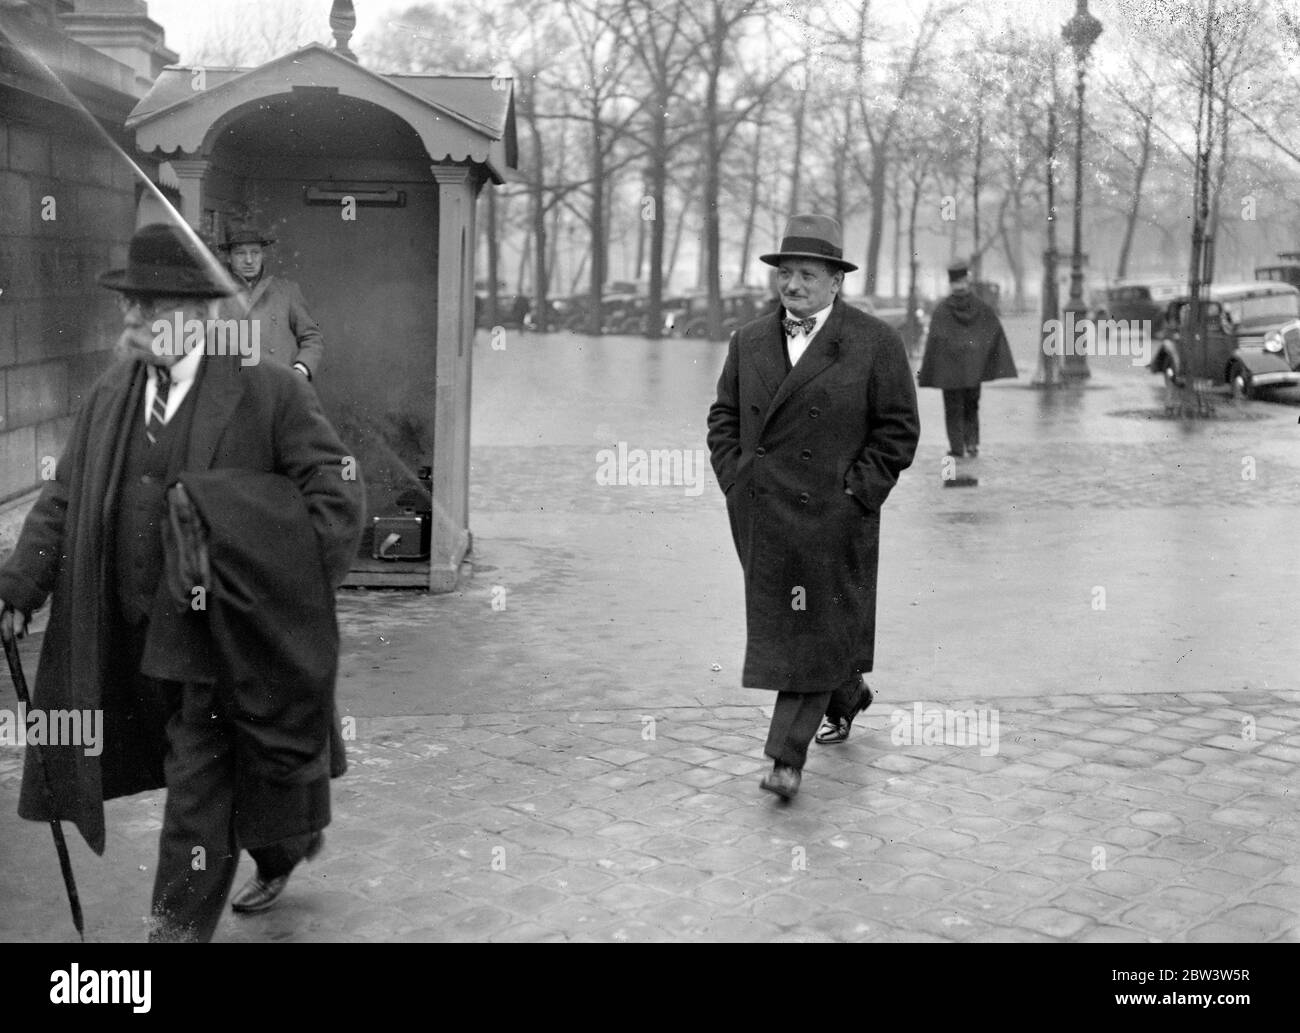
[[1266, 308]]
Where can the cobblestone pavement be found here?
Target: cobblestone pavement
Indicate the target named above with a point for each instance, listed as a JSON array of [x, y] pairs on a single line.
[[582, 764], [1079, 818]]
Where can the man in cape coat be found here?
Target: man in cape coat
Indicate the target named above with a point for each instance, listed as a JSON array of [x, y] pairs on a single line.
[[966, 346]]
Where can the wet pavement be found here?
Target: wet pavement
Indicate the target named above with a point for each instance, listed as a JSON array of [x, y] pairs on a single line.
[[1086, 717]]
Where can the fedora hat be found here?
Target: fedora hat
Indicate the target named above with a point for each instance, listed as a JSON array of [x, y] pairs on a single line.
[[161, 262], [811, 236], [244, 233]]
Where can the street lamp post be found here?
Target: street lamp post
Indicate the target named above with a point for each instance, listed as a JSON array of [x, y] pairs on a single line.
[[1080, 32]]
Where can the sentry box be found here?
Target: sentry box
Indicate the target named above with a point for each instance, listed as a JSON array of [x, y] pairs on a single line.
[[369, 183]]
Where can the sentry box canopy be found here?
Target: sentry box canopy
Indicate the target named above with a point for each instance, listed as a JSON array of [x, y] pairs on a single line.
[[368, 183]]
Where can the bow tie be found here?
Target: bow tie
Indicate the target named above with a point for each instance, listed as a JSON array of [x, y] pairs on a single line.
[[798, 326]]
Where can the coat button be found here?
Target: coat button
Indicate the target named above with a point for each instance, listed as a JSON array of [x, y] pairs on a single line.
[[146, 479], [806, 454], [760, 451], [751, 493], [803, 498], [814, 412]]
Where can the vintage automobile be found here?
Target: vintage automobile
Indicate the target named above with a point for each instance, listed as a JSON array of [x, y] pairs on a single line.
[[892, 311], [1288, 272], [739, 306], [1252, 338], [1126, 302]]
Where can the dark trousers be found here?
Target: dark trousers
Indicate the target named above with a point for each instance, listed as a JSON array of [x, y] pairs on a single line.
[[197, 852], [798, 715], [282, 857], [961, 413]]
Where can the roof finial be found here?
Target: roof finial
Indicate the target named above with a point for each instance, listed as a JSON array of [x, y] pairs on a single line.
[[343, 19]]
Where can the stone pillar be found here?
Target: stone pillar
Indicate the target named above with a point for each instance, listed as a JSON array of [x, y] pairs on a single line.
[[190, 173], [449, 537]]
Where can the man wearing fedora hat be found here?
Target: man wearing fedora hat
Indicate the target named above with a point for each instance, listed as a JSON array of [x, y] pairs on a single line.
[[815, 419], [289, 335], [222, 691]]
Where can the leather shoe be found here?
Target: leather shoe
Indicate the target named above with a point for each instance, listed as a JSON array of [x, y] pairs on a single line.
[[782, 780], [258, 894], [836, 729]]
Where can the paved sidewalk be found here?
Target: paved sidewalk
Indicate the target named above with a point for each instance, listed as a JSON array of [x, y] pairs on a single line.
[[1095, 820], [583, 765]]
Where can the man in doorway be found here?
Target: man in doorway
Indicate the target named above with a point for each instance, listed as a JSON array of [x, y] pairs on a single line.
[[814, 420], [966, 346], [289, 335]]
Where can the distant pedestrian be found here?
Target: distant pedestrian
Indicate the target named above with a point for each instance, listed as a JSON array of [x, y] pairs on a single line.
[[814, 420], [965, 347]]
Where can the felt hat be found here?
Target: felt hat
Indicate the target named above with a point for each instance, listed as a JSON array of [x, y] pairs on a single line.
[[812, 236], [160, 261]]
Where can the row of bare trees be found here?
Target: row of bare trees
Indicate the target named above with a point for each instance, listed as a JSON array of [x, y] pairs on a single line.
[[664, 128]]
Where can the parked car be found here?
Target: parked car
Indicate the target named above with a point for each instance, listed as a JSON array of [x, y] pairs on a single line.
[[1128, 302], [739, 306], [1289, 272], [892, 311], [1252, 337], [512, 310], [579, 317]]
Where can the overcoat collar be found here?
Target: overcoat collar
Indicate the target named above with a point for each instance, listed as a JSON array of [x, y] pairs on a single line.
[[824, 350]]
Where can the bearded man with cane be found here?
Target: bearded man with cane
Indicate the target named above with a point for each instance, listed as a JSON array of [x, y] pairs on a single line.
[[215, 676]]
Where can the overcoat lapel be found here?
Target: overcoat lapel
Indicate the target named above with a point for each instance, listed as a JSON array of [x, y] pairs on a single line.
[[113, 425], [215, 407], [823, 351], [263, 285], [769, 356]]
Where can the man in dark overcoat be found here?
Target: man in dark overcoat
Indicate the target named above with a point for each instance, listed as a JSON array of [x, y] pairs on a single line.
[[187, 698], [814, 420], [966, 346]]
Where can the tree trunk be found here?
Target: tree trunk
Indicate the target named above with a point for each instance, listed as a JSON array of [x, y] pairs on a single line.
[[977, 260], [896, 195], [712, 179], [879, 166], [752, 214], [1131, 218], [658, 189], [597, 222], [641, 232], [797, 149], [912, 328]]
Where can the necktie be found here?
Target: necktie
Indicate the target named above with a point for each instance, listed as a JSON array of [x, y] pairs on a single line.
[[798, 326], [158, 414]]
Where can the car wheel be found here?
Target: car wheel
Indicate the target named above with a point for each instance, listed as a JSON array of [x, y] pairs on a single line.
[[1243, 385]]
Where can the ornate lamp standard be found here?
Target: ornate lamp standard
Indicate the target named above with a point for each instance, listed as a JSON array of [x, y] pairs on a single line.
[[1080, 32]]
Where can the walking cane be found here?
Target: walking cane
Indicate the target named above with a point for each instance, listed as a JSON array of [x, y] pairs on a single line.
[[20, 686]]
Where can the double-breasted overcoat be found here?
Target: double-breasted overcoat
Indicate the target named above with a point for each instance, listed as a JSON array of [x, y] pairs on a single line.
[[806, 461]]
